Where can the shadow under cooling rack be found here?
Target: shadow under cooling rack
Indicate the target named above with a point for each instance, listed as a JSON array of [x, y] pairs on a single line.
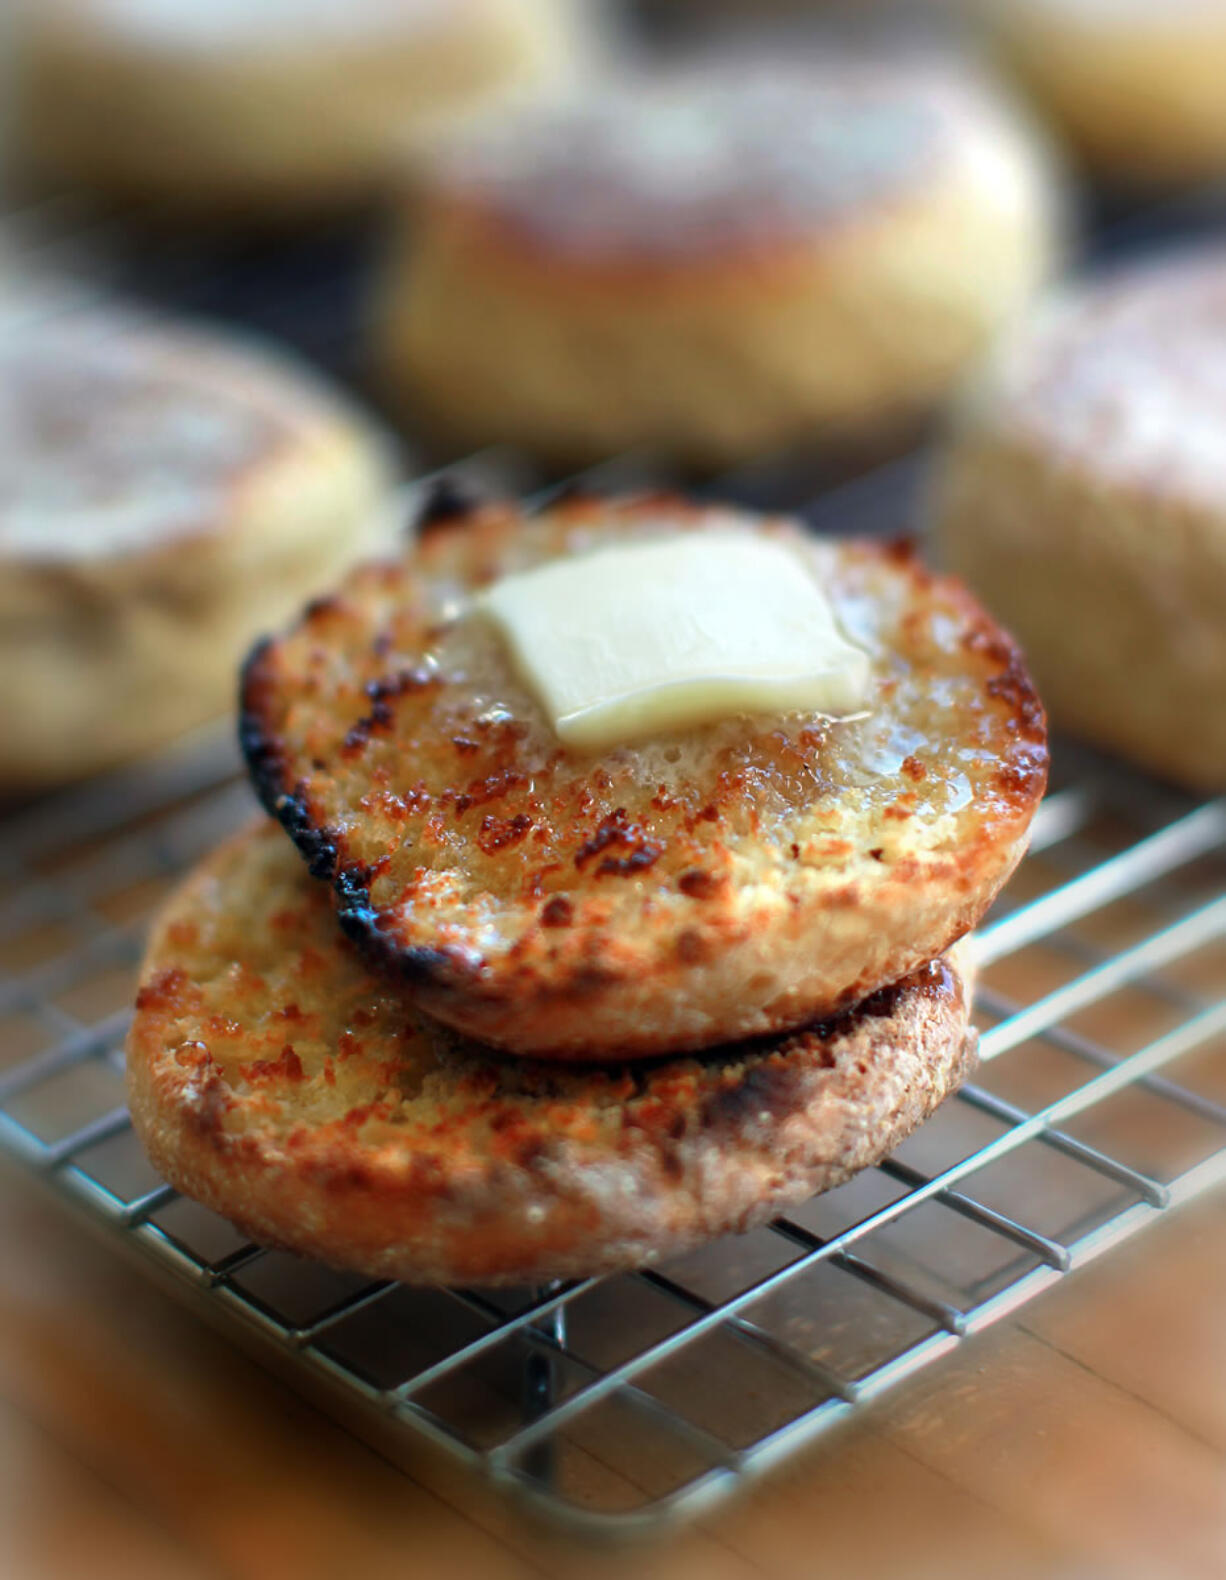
[[616, 1404]]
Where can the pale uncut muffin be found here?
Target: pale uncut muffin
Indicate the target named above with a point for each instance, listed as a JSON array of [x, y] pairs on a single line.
[[723, 882], [265, 106], [274, 1077], [721, 261], [1084, 498], [1135, 85], [165, 494]]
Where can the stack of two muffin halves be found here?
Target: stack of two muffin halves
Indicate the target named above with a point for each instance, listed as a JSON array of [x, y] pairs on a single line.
[[530, 1009]]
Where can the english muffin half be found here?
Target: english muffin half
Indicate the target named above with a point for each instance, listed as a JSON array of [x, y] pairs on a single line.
[[726, 881], [276, 1078], [264, 108], [1136, 87], [1083, 497], [166, 492], [719, 260]]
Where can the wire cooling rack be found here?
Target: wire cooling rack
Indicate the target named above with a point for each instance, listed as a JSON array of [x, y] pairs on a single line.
[[614, 1405]]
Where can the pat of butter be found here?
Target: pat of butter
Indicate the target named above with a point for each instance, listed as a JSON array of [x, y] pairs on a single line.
[[651, 637]]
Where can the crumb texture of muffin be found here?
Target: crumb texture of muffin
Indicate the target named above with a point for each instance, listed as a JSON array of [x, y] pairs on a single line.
[[166, 492], [264, 107], [727, 881], [1083, 497], [278, 1080], [722, 260]]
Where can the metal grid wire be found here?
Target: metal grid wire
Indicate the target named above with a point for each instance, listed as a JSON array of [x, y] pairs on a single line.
[[614, 1405]]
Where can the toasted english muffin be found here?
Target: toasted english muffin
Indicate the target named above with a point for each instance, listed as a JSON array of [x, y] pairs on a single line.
[[264, 107], [721, 883], [275, 1077], [1083, 496], [165, 493], [720, 261]]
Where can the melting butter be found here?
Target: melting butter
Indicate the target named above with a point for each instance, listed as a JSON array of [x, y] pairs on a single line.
[[654, 637]]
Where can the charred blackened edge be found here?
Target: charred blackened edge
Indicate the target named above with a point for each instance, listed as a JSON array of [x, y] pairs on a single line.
[[263, 757], [416, 966], [354, 911], [266, 768], [448, 500]]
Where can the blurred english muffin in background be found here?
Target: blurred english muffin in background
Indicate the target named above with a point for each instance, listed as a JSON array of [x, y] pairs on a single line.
[[165, 493], [722, 259], [264, 107], [1137, 86], [1084, 498]]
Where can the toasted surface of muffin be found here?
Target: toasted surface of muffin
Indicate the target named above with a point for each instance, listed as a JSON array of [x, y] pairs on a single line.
[[719, 261], [275, 1077], [720, 883], [165, 492], [1083, 496]]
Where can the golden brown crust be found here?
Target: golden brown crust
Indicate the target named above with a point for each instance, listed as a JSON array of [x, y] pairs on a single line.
[[725, 883], [274, 1077]]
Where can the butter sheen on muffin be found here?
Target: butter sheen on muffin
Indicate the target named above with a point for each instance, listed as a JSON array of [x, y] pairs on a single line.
[[717, 882]]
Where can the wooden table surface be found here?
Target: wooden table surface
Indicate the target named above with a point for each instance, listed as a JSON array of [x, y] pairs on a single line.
[[1085, 1438]]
